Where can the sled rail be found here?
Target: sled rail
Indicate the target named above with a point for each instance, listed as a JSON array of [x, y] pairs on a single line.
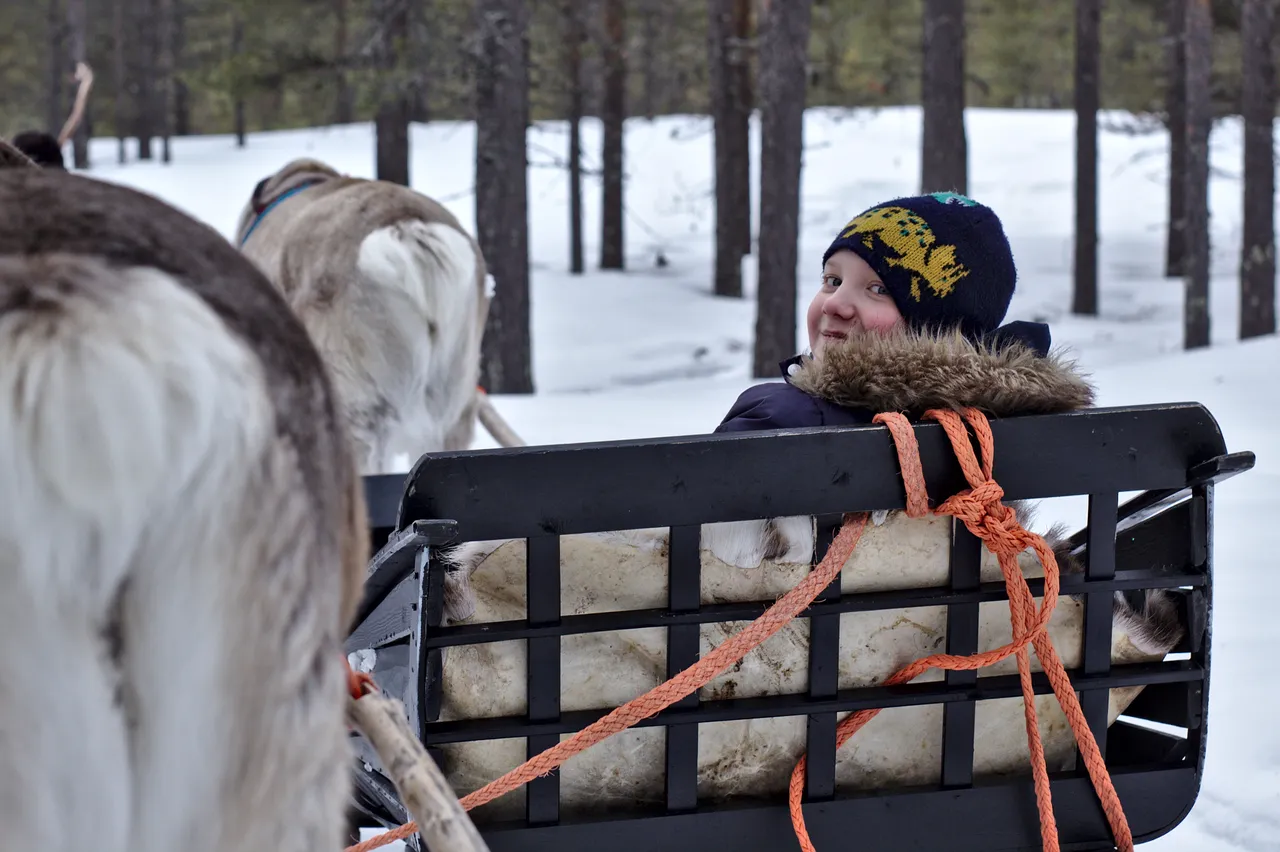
[[1173, 454]]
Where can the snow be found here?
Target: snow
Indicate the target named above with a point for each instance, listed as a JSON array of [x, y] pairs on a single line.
[[648, 352]]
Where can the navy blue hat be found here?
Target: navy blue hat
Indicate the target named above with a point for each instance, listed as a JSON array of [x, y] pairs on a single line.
[[945, 261]]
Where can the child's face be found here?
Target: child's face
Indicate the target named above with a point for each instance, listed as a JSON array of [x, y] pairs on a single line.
[[852, 300]]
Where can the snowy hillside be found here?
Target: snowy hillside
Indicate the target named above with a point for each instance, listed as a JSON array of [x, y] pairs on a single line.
[[648, 352]]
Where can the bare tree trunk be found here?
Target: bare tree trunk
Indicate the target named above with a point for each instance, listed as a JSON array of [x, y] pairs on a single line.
[[391, 124], [613, 118], [744, 26], [181, 122], [1088, 60], [575, 37], [237, 48], [344, 111], [784, 52], [1199, 121], [120, 81], [57, 26], [164, 78], [414, 61], [833, 48], [77, 28], [502, 210], [1258, 251], [649, 57], [944, 161], [145, 64], [1176, 107], [730, 113]]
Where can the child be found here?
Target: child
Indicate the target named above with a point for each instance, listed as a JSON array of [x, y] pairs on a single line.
[[907, 318]]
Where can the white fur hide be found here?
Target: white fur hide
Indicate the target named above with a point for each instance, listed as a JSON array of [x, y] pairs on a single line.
[[628, 570]]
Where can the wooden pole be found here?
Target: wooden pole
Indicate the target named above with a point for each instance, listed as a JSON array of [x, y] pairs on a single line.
[[497, 426], [427, 796]]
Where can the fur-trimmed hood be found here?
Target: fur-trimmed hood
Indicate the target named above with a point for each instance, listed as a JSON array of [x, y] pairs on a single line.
[[910, 371], [913, 371]]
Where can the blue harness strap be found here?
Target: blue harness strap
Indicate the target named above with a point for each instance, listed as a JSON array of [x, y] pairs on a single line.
[[265, 210]]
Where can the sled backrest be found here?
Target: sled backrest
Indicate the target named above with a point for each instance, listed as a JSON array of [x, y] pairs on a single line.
[[1173, 454]]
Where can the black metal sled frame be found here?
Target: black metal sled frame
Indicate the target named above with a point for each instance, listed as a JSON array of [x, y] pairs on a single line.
[[1172, 454]]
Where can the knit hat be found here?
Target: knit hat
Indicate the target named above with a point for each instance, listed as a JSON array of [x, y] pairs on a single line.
[[945, 261]]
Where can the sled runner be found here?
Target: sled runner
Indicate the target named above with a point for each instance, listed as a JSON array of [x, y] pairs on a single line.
[[592, 587]]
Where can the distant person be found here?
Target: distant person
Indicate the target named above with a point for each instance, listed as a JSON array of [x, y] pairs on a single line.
[[906, 318], [45, 149]]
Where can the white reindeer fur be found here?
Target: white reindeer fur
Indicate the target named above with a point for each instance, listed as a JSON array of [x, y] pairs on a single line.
[[420, 276], [171, 591], [140, 430]]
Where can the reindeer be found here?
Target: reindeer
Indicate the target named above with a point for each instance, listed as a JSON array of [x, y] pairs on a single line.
[[392, 289], [182, 537]]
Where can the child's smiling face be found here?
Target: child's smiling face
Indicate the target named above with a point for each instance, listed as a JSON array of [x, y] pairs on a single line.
[[851, 300]]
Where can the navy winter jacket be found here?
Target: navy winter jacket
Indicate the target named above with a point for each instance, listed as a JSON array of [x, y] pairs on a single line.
[[781, 405]]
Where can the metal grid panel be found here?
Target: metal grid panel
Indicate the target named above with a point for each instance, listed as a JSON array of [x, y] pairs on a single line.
[[507, 494]]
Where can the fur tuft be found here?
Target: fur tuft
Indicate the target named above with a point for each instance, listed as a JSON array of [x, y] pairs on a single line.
[[420, 306], [913, 371], [1153, 621], [431, 263]]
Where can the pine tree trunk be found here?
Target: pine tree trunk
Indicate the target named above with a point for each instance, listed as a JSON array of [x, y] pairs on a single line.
[[414, 62], [164, 78], [649, 50], [732, 151], [744, 102], [1085, 298], [1199, 119], [181, 123], [391, 123], [1258, 249], [784, 50], [1176, 107], [57, 26], [121, 83], [238, 105], [144, 13], [944, 161], [344, 106], [575, 37], [502, 213], [613, 118]]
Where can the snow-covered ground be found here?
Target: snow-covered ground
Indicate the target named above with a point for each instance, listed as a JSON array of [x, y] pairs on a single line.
[[649, 352]]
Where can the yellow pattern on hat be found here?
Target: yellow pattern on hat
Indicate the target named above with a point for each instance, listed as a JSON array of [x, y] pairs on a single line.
[[910, 236]]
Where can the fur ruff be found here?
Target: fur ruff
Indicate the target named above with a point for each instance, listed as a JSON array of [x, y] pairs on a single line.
[[910, 371], [913, 371]]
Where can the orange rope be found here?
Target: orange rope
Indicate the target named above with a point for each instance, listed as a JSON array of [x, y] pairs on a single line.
[[982, 512], [358, 683], [980, 509]]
